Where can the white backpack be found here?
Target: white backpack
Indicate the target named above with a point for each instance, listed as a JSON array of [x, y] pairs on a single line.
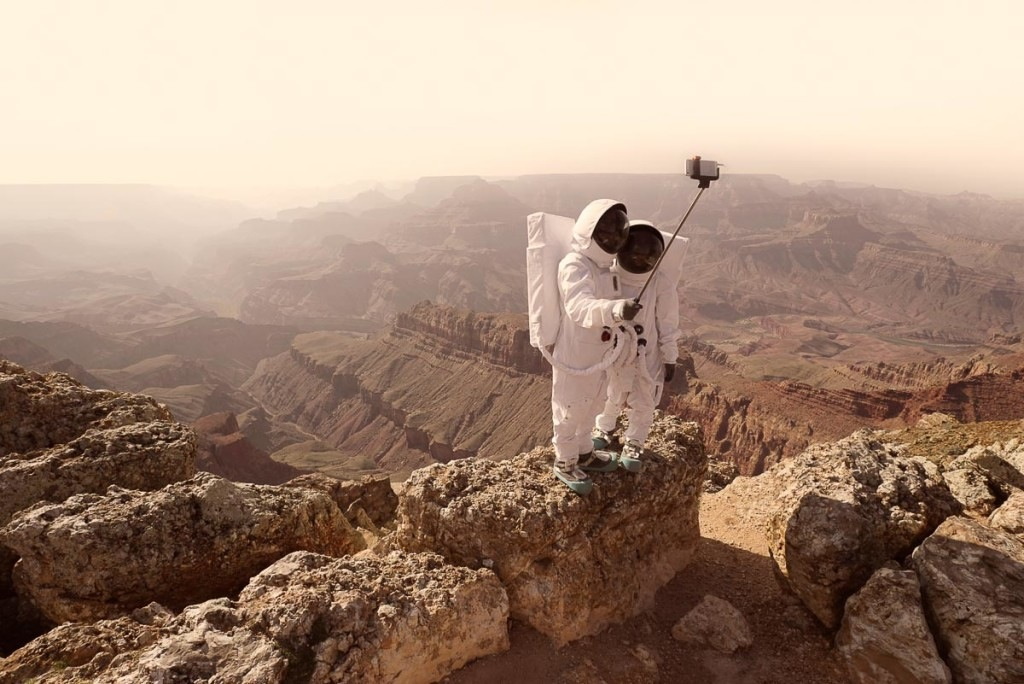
[[548, 240]]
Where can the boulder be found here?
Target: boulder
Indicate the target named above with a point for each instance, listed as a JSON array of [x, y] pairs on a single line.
[[1010, 516], [571, 564], [970, 487], [884, 637], [407, 618], [1002, 464], [99, 556], [66, 651], [138, 456], [972, 585], [714, 623], [721, 471], [985, 475], [842, 510]]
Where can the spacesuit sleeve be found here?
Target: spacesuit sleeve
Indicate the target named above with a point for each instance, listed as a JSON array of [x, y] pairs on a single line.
[[667, 320], [578, 290]]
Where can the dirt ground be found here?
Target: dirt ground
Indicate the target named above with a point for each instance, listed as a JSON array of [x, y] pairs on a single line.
[[731, 563]]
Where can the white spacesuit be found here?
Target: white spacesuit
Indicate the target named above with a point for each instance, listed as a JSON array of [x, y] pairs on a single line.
[[591, 302], [638, 386]]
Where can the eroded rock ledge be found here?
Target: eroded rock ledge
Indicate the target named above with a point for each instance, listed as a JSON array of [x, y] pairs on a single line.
[[407, 618], [572, 565], [39, 411], [59, 438], [99, 556]]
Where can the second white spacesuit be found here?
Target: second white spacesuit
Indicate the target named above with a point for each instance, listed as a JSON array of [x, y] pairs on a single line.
[[638, 386]]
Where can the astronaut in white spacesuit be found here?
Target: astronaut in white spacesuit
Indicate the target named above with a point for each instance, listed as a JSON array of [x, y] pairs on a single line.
[[638, 385], [592, 303]]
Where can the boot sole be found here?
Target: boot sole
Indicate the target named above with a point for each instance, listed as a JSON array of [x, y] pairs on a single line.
[[632, 465], [582, 488]]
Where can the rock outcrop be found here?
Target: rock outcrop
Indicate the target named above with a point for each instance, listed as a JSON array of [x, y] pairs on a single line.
[[736, 428], [969, 486], [843, 510], [502, 339], [59, 438], [142, 456], [972, 582], [307, 618], [885, 638], [100, 556], [37, 411], [758, 421], [571, 565]]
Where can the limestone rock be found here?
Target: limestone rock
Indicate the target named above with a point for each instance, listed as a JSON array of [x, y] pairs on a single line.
[[936, 420], [59, 438], [1010, 516], [843, 510], [372, 493], [65, 651], [94, 556], [972, 584], [884, 636], [1002, 464], [136, 456], [39, 411], [716, 623], [571, 564], [721, 472], [406, 618], [970, 487]]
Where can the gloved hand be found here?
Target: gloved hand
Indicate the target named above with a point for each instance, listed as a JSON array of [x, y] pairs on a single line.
[[630, 309], [670, 371]]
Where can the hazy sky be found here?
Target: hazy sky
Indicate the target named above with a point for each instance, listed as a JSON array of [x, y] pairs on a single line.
[[925, 95]]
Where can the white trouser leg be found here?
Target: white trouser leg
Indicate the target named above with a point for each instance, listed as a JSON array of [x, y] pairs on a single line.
[[614, 401], [642, 403], [573, 401], [620, 381]]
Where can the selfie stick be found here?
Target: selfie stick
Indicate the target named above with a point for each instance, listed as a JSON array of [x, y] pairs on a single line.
[[701, 172]]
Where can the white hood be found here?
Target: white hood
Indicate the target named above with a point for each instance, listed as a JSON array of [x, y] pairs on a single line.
[[584, 229]]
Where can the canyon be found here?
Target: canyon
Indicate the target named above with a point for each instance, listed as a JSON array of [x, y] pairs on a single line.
[[382, 333]]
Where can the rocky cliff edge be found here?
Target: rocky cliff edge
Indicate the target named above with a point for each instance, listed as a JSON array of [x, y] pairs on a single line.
[[202, 578]]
